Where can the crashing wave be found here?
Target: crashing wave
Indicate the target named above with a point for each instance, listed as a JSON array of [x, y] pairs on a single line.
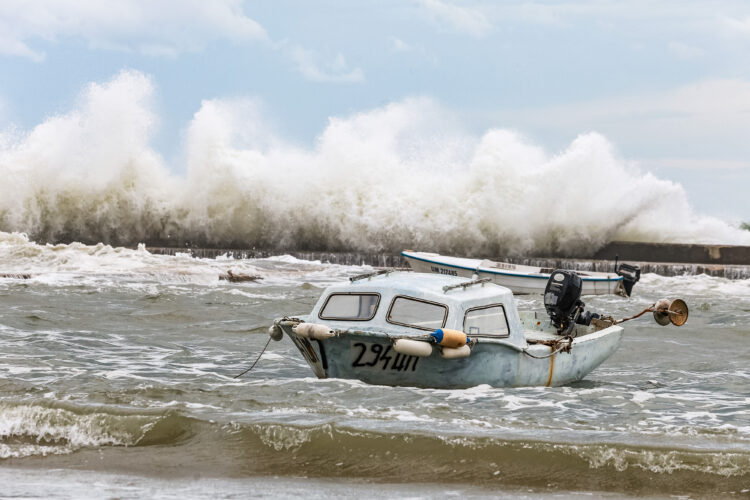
[[398, 176]]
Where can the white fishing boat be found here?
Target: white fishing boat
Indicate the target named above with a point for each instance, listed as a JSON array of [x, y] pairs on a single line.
[[426, 330], [522, 279]]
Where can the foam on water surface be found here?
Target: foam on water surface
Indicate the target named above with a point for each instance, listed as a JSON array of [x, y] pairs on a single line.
[[100, 265]]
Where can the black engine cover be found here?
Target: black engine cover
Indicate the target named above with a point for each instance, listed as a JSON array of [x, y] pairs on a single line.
[[630, 276], [561, 296]]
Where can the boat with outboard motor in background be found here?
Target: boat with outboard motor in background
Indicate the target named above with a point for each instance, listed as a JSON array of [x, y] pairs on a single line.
[[523, 279], [427, 330]]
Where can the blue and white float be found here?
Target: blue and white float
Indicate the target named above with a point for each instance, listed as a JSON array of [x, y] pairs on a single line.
[[428, 330]]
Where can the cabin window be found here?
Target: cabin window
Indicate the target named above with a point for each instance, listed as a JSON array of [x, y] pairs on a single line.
[[417, 313], [486, 321], [350, 306]]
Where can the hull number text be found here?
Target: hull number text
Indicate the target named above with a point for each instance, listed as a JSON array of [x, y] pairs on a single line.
[[383, 357], [440, 270]]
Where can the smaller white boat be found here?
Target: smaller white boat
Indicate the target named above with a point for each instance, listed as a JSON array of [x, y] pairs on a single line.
[[411, 329], [522, 279]]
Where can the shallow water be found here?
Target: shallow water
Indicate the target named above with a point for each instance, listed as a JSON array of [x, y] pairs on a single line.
[[117, 366]]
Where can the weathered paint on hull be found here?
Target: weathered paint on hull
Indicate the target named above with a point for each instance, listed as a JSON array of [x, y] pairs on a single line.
[[356, 356], [517, 284], [586, 354]]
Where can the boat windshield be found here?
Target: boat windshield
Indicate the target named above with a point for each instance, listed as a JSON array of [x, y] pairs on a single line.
[[350, 306], [486, 321], [417, 313]]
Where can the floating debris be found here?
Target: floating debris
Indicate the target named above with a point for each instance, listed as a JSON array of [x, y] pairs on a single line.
[[16, 276], [239, 278]]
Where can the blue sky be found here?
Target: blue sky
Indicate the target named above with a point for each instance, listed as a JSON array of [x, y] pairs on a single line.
[[666, 82]]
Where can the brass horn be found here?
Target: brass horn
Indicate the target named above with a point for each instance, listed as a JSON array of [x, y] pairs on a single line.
[[665, 311], [670, 311]]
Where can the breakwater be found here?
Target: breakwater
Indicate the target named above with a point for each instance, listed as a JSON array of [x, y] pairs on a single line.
[[677, 252], [395, 260]]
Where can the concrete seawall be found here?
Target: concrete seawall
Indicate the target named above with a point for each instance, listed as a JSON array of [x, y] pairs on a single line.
[[675, 252], [604, 264]]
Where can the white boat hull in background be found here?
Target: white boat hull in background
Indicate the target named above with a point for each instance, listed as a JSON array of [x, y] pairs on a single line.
[[520, 279]]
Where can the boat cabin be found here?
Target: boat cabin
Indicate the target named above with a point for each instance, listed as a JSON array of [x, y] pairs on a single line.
[[414, 304]]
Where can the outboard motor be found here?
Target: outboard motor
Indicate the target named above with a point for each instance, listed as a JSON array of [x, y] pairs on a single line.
[[562, 300], [630, 276]]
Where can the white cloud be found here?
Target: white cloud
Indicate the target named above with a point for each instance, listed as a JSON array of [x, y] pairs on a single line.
[[469, 20], [685, 51], [12, 47], [398, 45], [418, 51], [739, 26], [155, 28], [157, 50], [335, 71], [706, 120], [606, 12], [634, 19], [160, 27], [697, 164]]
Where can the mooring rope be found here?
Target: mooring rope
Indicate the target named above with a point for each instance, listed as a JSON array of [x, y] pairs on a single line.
[[561, 346], [648, 309], [256, 361]]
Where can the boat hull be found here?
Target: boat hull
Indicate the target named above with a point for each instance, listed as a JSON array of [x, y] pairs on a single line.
[[519, 283], [372, 359]]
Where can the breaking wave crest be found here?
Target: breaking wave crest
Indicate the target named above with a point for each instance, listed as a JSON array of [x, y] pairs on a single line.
[[31, 429], [335, 451], [483, 452], [399, 176], [41, 429]]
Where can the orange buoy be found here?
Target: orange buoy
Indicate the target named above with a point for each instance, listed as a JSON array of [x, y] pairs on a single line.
[[449, 338]]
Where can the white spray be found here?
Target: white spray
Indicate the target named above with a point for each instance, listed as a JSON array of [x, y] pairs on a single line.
[[390, 178]]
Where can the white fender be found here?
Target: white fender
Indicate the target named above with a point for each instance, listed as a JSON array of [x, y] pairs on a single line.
[[455, 353], [413, 347], [313, 331]]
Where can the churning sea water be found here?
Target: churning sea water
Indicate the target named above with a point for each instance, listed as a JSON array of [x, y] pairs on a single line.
[[117, 379]]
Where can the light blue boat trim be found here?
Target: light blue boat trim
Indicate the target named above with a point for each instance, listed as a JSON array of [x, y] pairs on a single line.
[[518, 275]]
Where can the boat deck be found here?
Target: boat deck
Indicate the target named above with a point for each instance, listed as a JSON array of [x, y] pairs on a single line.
[[537, 328]]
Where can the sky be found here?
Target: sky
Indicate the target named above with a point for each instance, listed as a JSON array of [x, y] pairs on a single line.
[[666, 82]]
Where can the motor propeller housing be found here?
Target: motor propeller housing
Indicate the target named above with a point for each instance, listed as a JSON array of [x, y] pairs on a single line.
[[630, 276], [562, 300]]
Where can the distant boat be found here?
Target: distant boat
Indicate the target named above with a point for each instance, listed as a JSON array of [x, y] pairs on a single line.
[[522, 279]]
